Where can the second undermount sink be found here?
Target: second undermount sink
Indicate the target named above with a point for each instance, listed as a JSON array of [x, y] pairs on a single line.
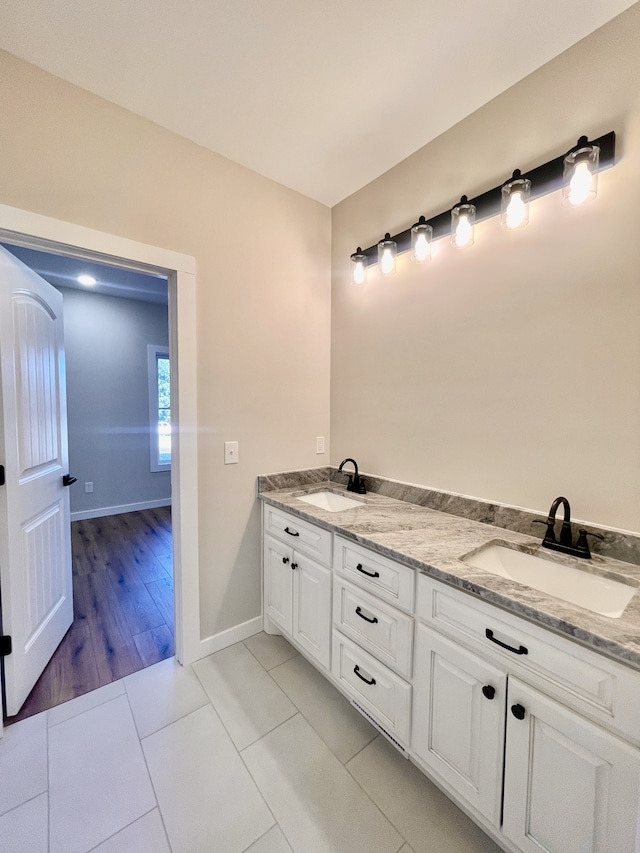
[[330, 501], [599, 594]]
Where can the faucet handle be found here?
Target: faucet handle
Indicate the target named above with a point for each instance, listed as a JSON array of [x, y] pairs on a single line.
[[550, 535], [582, 544]]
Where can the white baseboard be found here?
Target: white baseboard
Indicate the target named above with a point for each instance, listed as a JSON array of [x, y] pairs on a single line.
[[220, 641], [116, 510]]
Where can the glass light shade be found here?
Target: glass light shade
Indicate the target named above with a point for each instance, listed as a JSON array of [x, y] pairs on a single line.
[[387, 251], [580, 181], [515, 202], [463, 217], [421, 237], [359, 263]]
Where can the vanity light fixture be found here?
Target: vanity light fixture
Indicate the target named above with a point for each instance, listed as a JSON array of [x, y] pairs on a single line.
[[581, 173], [576, 172], [387, 251], [515, 202], [359, 263], [421, 236], [463, 217]]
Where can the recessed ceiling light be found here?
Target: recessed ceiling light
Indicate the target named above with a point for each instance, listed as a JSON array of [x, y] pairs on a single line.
[[87, 280]]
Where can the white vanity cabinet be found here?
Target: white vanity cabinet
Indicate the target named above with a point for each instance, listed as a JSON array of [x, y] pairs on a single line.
[[570, 786], [494, 694], [297, 588], [372, 653]]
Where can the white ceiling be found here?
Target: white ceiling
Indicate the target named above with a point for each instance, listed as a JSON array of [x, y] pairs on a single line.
[[320, 96]]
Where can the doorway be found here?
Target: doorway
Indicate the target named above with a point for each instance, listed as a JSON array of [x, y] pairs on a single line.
[[118, 425], [32, 230]]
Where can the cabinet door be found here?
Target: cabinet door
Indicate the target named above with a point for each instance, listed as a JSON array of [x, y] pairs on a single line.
[[570, 786], [458, 730], [312, 608], [278, 582]]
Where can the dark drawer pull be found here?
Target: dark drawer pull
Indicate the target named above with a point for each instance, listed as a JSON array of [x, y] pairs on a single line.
[[366, 618], [518, 711], [294, 566], [356, 669], [291, 532], [368, 574], [521, 651], [488, 691]]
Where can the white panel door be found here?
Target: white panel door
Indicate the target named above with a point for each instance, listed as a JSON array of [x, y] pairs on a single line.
[[570, 786], [458, 719], [312, 608], [278, 583], [35, 540]]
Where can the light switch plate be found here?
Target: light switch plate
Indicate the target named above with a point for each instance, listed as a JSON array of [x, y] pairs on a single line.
[[320, 444], [230, 452]]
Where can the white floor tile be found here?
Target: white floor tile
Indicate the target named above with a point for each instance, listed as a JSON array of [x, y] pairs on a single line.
[[271, 842], [23, 761], [318, 805], [248, 701], [145, 835], [98, 780], [85, 702], [270, 649], [25, 828], [207, 798], [340, 726], [422, 813], [161, 694]]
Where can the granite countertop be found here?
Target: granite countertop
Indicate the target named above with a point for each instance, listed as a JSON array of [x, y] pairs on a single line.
[[433, 542]]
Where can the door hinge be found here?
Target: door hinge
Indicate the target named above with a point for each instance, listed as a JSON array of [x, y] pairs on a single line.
[[1, 475], [5, 646]]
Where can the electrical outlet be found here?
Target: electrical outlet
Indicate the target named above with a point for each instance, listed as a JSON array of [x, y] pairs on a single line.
[[88, 488], [230, 452], [320, 444]]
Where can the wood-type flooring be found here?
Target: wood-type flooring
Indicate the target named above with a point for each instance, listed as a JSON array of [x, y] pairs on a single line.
[[123, 606]]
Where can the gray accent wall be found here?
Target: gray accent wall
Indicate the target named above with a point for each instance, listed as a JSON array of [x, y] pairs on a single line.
[[106, 342]]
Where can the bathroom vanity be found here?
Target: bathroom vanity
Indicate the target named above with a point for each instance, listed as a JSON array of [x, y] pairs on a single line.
[[523, 708]]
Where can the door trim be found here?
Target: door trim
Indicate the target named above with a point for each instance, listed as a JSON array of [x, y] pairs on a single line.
[[42, 232]]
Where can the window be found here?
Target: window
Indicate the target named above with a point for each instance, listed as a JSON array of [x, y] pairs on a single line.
[[159, 408]]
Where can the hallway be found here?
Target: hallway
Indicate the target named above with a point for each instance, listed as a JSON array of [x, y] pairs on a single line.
[[123, 606]]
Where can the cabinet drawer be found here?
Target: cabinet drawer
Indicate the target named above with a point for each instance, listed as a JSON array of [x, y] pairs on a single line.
[[381, 629], [581, 679], [304, 537], [385, 578], [382, 693]]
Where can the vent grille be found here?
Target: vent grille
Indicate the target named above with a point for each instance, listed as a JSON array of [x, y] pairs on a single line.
[[382, 731]]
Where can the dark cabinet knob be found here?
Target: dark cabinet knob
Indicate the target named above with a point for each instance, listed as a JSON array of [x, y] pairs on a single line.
[[294, 566], [488, 691], [518, 712], [285, 560]]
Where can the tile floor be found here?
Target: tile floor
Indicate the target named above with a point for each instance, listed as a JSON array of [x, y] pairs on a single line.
[[247, 750]]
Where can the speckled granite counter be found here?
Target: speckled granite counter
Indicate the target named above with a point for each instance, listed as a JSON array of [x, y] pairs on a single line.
[[433, 542]]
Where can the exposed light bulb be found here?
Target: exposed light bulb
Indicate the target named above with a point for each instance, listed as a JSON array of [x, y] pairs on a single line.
[[387, 262], [464, 231], [580, 183], [421, 249], [515, 211], [87, 280], [358, 273]]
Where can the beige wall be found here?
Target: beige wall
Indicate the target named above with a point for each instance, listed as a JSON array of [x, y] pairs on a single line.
[[263, 292], [509, 371]]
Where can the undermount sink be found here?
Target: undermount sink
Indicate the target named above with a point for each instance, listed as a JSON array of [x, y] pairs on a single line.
[[601, 595], [330, 501]]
